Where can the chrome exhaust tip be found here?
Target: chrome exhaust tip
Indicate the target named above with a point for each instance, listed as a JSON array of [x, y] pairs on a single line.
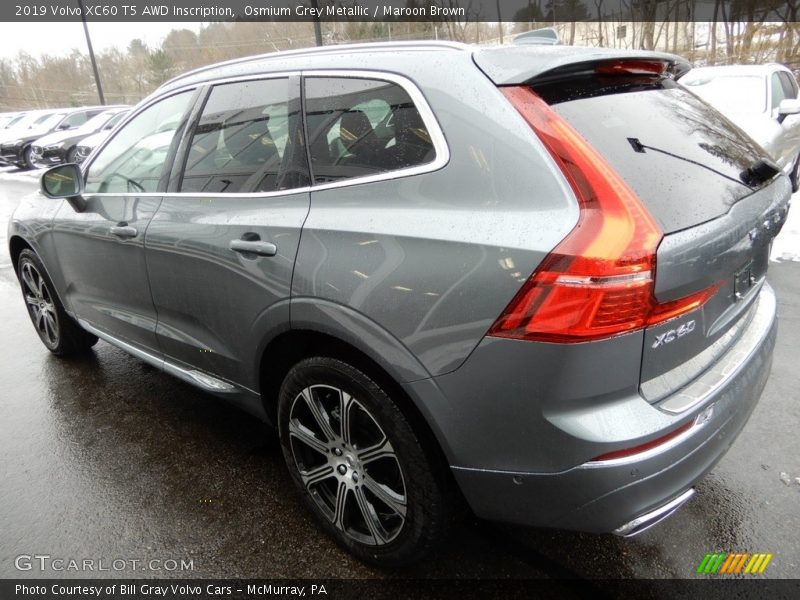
[[647, 520]]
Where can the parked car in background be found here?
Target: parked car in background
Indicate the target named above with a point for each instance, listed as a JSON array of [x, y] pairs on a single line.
[[85, 146], [8, 119], [19, 149], [61, 146], [760, 99], [26, 122], [534, 280]]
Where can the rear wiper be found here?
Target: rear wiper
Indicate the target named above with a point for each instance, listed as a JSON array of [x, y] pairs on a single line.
[[759, 172], [640, 147]]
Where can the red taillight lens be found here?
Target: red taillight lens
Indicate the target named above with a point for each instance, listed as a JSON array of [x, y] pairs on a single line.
[[598, 282], [627, 452]]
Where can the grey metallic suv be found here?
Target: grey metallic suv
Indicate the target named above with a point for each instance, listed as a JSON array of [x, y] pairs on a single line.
[[528, 278]]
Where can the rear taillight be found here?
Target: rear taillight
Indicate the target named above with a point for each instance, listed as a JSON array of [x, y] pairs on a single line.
[[598, 282]]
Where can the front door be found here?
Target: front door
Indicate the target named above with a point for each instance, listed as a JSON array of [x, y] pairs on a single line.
[[100, 244]]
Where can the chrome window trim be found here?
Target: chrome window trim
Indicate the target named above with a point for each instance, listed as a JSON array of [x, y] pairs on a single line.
[[441, 149]]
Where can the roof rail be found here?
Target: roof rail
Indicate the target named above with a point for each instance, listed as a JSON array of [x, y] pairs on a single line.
[[317, 50]]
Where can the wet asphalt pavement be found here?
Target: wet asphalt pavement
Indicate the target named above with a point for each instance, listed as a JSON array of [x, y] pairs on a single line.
[[104, 457]]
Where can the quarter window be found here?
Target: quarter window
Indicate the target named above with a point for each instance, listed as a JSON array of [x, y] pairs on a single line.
[[778, 93], [361, 127], [248, 140], [134, 160], [789, 85]]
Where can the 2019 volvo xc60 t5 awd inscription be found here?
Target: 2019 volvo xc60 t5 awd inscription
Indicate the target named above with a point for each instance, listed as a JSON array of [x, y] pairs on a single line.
[[530, 278]]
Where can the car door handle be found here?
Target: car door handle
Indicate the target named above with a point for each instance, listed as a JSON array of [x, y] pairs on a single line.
[[255, 247], [125, 231]]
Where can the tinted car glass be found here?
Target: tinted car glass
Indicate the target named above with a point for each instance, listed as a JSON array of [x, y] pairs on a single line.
[[361, 127], [681, 157], [789, 85], [134, 159], [48, 121], [778, 93], [77, 119], [248, 139], [112, 122]]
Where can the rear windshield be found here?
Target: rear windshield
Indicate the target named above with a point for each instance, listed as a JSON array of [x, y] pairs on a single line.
[[681, 157]]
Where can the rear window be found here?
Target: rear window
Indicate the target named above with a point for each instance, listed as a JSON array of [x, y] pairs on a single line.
[[681, 157]]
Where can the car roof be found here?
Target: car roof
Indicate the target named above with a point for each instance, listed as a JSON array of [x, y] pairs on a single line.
[[503, 64], [341, 56]]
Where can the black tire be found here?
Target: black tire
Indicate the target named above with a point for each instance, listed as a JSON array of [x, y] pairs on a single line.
[[71, 154], [27, 162], [794, 176], [57, 330], [391, 539]]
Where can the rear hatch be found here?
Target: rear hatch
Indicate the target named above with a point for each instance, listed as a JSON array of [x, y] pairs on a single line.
[[711, 190]]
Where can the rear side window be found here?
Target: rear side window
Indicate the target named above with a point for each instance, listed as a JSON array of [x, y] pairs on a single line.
[[362, 127], [778, 91], [789, 85], [248, 140]]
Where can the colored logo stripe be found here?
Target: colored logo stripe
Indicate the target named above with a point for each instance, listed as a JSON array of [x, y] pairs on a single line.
[[732, 564]]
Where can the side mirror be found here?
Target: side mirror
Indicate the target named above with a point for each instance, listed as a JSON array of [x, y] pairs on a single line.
[[788, 106], [65, 126], [63, 181]]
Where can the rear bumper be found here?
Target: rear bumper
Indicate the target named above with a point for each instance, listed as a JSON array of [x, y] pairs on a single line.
[[604, 496]]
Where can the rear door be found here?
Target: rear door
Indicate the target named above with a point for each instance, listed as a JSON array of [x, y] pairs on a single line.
[[221, 249], [100, 245], [692, 169]]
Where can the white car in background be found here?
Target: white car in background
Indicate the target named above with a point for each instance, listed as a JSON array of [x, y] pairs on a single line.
[[762, 100]]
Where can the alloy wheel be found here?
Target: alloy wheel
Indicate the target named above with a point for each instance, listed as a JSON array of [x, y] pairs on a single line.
[[40, 304], [347, 464]]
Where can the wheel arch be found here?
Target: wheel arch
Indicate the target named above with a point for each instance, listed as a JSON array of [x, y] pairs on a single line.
[[16, 244], [293, 345]]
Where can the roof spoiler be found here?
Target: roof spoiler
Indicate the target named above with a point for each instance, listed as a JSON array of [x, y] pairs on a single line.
[[528, 64]]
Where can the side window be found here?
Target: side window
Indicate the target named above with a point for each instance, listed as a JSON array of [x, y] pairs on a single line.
[[74, 120], [133, 161], [777, 90], [248, 140], [360, 127], [789, 85]]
